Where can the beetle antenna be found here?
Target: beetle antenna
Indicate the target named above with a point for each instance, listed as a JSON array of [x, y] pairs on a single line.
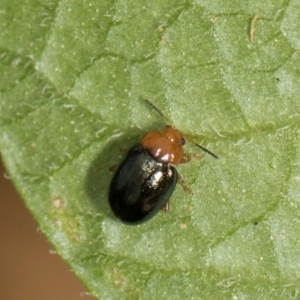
[[157, 110], [201, 147], [206, 150]]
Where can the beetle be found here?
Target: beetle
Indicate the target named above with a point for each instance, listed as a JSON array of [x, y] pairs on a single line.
[[146, 179]]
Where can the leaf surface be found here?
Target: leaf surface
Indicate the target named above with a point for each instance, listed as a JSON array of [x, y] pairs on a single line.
[[74, 74]]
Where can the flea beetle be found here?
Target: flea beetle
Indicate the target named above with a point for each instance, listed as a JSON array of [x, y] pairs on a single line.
[[146, 179]]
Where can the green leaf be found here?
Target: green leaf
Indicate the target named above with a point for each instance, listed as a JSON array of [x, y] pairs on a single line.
[[74, 74]]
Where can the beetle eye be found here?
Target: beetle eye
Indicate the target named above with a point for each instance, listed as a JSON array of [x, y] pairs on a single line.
[[182, 141]]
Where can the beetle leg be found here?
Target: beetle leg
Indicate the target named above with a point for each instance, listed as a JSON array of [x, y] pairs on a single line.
[[188, 156], [124, 149], [183, 184], [112, 168], [166, 207], [121, 149]]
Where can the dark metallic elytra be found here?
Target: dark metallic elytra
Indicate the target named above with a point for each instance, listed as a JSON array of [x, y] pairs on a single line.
[[146, 179], [141, 186]]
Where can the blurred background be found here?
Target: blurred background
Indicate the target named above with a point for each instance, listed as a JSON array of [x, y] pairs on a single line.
[[28, 270]]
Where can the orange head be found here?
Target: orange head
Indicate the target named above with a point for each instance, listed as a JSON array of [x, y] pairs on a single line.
[[165, 145]]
